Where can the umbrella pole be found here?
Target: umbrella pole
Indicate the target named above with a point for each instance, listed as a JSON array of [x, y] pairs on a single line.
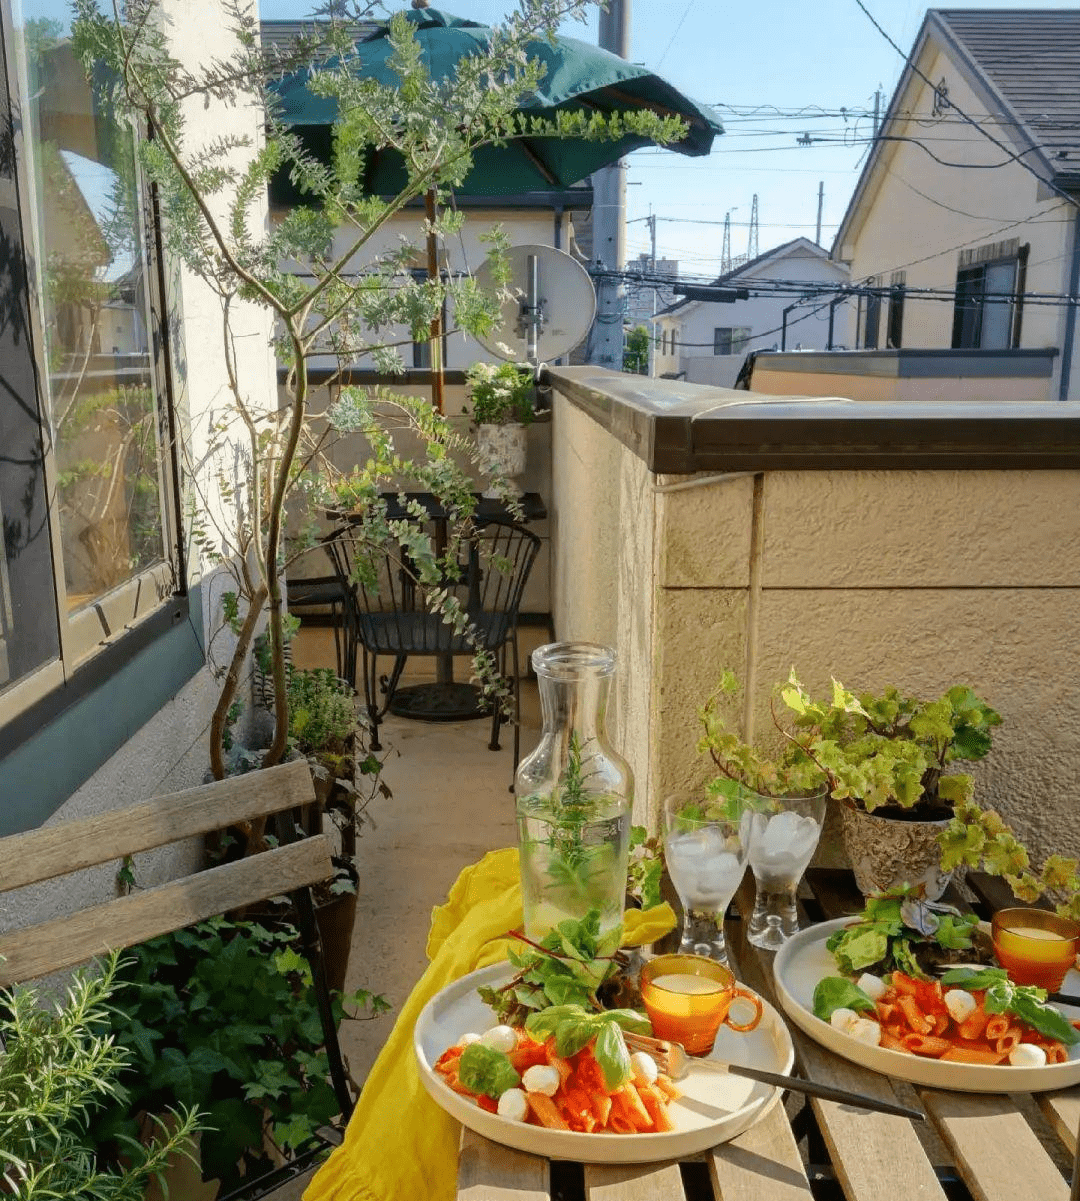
[[436, 324]]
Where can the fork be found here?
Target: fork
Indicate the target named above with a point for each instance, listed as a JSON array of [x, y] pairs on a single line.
[[673, 1059]]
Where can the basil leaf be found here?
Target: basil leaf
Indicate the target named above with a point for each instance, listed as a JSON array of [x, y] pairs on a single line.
[[834, 992], [543, 1025], [1044, 1018], [487, 1071], [972, 980], [628, 1019], [574, 1034], [612, 1055]]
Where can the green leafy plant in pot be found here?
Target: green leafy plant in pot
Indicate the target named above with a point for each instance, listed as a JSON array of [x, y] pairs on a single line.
[[222, 1017], [58, 1066], [503, 399], [890, 758], [323, 727]]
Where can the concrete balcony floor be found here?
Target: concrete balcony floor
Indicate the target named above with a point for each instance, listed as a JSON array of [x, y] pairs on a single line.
[[451, 804]]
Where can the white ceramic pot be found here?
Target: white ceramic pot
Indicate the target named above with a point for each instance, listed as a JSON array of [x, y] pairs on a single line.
[[887, 851], [502, 452]]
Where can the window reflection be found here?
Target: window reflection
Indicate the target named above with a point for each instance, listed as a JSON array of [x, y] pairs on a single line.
[[92, 284]]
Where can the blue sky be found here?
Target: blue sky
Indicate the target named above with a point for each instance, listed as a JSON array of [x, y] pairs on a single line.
[[783, 53]]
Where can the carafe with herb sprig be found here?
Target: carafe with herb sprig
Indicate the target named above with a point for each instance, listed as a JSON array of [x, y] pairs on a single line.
[[574, 796]]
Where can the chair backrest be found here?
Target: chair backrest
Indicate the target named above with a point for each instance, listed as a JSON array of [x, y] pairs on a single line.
[[290, 867], [395, 614]]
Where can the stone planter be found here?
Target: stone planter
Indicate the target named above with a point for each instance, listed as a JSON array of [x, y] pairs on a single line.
[[889, 851], [502, 452]]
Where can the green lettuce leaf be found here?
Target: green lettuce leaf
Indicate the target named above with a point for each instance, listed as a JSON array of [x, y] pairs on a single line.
[[484, 1070]]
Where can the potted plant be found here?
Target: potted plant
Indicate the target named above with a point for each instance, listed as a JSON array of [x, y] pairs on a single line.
[[889, 758], [223, 1017], [58, 1064], [503, 399], [323, 727]]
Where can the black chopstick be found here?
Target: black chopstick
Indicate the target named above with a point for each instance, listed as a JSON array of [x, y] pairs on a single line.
[[825, 1091]]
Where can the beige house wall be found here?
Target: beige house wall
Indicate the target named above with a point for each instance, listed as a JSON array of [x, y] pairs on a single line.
[[920, 579], [917, 215]]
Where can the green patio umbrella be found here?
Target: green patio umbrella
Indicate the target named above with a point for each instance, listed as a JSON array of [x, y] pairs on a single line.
[[579, 77]]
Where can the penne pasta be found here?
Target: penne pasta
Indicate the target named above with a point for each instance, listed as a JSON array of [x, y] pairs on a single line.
[[925, 1044], [916, 1019], [996, 1027], [546, 1112], [972, 1055]]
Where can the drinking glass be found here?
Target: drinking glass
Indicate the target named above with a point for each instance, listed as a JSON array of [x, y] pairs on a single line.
[[1035, 946], [706, 845], [786, 835]]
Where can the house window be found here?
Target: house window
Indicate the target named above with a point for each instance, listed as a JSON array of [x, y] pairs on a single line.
[[894, 325], [730, 339], [990, 283], [870, 314], [88, 478]]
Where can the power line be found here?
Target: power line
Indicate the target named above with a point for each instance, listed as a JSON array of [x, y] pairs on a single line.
[[682, 19], [909, 62]]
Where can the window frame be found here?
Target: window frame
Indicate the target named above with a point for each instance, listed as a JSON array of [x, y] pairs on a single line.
[[97, 640], [737, 338], [972, 266]]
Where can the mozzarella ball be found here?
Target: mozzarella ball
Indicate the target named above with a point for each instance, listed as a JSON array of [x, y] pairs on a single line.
[[513, 1104], [843, 1018], [541, 1078], [500, 1038], [960, 1004], [872, 985], [467, 1039], [865, 1030], [1027, 1055], [643, 1068]]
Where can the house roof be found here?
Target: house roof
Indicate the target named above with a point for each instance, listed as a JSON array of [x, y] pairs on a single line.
[[1031, 57], [749, 269], [1025, 63]]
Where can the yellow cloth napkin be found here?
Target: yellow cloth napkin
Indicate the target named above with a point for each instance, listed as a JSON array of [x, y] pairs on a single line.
[[399, 1144]]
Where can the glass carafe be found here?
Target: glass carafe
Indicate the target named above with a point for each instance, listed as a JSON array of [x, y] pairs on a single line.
[[574, 796]]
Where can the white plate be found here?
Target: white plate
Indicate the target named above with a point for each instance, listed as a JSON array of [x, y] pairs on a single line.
[[803, 961], [713, 1108]]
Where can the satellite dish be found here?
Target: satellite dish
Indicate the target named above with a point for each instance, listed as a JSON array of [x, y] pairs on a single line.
[[551, 308]]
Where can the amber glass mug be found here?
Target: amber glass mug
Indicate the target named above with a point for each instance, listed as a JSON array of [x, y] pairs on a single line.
[[689, 997], [1035, 946]]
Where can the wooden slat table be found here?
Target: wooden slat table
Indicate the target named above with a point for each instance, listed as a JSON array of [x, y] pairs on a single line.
[[989, 1148]]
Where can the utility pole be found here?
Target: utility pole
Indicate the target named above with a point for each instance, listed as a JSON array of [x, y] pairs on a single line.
[[609, 216], [877, 111], [752, 241], [651, 221], [820, 203], [725, 251]]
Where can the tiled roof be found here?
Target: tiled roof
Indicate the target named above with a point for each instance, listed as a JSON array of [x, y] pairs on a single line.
[[1032, 58]]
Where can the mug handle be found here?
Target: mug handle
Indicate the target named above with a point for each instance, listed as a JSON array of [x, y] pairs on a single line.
[[746, 995]]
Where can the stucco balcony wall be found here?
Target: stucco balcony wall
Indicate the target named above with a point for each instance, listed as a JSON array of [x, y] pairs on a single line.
[[843, 540]]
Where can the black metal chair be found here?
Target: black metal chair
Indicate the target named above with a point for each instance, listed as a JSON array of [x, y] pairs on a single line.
[[315, 594], [394, 616]]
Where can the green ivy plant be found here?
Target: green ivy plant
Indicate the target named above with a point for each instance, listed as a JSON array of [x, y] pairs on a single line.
[[873, 750], [501, 394], [58, 1067], [221, 1017]]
